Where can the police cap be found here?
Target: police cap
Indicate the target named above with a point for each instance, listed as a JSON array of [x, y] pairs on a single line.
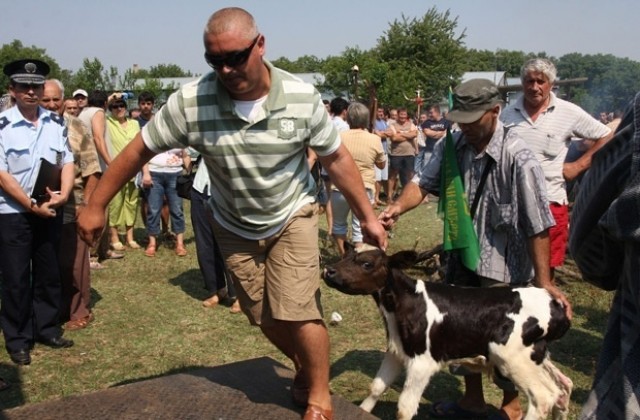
[[28, 71]]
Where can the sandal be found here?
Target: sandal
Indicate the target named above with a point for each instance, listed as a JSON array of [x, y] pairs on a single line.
[[181, 251], [117, 246], [134, 245], [150, 251], [452, 410], [78, 324]]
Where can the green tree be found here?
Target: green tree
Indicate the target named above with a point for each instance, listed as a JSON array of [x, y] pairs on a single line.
[[425, 54], [304, 64], [611, 80], [479, 60], [168, 70], [160, 91], [94, 76], [340, 79]]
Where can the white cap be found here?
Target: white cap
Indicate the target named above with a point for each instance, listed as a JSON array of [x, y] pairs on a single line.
[[80, 92]]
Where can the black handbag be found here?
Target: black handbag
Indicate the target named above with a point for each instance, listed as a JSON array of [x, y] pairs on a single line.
[[184, 183]]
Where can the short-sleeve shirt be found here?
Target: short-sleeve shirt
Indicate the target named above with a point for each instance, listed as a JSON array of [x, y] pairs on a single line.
[[381, 125], [402, 148], [23, 144], [142, 121], [86, 163], [341, 125], [169, 161], [366, 150], [258, 170], [550, 135], [513, 205], [440, 125]]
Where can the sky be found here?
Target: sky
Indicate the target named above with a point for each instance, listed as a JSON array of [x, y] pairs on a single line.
[[122, 33]]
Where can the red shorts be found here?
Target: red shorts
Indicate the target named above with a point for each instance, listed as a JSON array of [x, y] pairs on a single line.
[[559, 234]]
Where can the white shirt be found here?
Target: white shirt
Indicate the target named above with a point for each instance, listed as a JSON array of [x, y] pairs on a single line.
[[550, 135]]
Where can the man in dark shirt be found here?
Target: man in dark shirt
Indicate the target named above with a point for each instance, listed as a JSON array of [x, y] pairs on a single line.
[[146, 102], [434, 128]]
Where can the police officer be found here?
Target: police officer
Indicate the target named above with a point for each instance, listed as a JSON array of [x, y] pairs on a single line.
[[30, 224]]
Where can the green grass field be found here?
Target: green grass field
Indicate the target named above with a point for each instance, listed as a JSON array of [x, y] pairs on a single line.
[[150, 322]]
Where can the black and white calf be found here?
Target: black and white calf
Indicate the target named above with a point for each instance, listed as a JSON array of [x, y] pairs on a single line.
[[431, 325]]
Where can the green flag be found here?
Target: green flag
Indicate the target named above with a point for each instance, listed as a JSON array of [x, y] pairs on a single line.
[[459, 232]]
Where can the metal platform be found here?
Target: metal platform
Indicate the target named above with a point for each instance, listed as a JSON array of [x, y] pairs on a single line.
[[251, 389]]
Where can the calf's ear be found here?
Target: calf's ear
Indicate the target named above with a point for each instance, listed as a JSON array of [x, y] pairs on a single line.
[[349, 248], [403, 259]]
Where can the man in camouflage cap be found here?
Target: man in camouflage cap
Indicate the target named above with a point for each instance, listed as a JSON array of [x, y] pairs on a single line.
[[511, 217]]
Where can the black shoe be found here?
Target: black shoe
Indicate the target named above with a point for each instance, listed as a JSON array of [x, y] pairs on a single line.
[[58, 342], [21, 357]]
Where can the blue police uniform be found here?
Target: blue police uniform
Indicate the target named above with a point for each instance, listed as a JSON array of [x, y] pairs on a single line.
[[31, 287]]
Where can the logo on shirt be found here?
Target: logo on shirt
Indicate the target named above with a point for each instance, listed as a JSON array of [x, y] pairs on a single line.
[[286, 128]]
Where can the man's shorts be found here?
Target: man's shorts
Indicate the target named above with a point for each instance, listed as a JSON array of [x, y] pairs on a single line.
[[382, 174], [402, 163], [277, 278], [559, 234]]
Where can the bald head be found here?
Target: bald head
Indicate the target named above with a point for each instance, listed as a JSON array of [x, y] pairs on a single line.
[[232, 19]]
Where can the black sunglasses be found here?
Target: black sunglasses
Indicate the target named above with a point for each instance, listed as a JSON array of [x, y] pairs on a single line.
[[232, 59], [117, 107]]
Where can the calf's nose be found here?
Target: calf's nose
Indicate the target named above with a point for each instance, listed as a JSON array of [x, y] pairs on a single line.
[[329, 273]]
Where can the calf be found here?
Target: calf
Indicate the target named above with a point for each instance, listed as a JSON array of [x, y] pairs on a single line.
[[431, 325]]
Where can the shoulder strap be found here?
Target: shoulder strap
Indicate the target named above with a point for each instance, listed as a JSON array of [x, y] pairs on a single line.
[[483, 180]]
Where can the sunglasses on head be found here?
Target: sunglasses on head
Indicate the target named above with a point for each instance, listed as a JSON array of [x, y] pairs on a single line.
[[232, 59]]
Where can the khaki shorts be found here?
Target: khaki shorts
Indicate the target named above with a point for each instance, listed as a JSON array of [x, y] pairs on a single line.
[[277, 278]]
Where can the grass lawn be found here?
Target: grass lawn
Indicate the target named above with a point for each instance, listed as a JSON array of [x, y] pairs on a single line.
[[150, 322]]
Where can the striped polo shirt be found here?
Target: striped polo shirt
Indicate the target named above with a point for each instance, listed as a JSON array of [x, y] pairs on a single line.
[[549, 137], [258, 170]]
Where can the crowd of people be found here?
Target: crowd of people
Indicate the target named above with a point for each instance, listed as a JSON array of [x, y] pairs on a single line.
[[255, 132], [81, 134]]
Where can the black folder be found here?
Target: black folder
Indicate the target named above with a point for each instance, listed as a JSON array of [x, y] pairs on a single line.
[[49, 175]]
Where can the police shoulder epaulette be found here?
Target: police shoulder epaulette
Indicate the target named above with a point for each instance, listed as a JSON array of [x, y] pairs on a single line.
[[57, 118], [4, 121]]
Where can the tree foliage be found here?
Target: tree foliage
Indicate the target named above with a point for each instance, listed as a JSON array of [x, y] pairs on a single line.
[[611, 80], [304, 64], [425, 54], [93, 75], [162, 71]]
